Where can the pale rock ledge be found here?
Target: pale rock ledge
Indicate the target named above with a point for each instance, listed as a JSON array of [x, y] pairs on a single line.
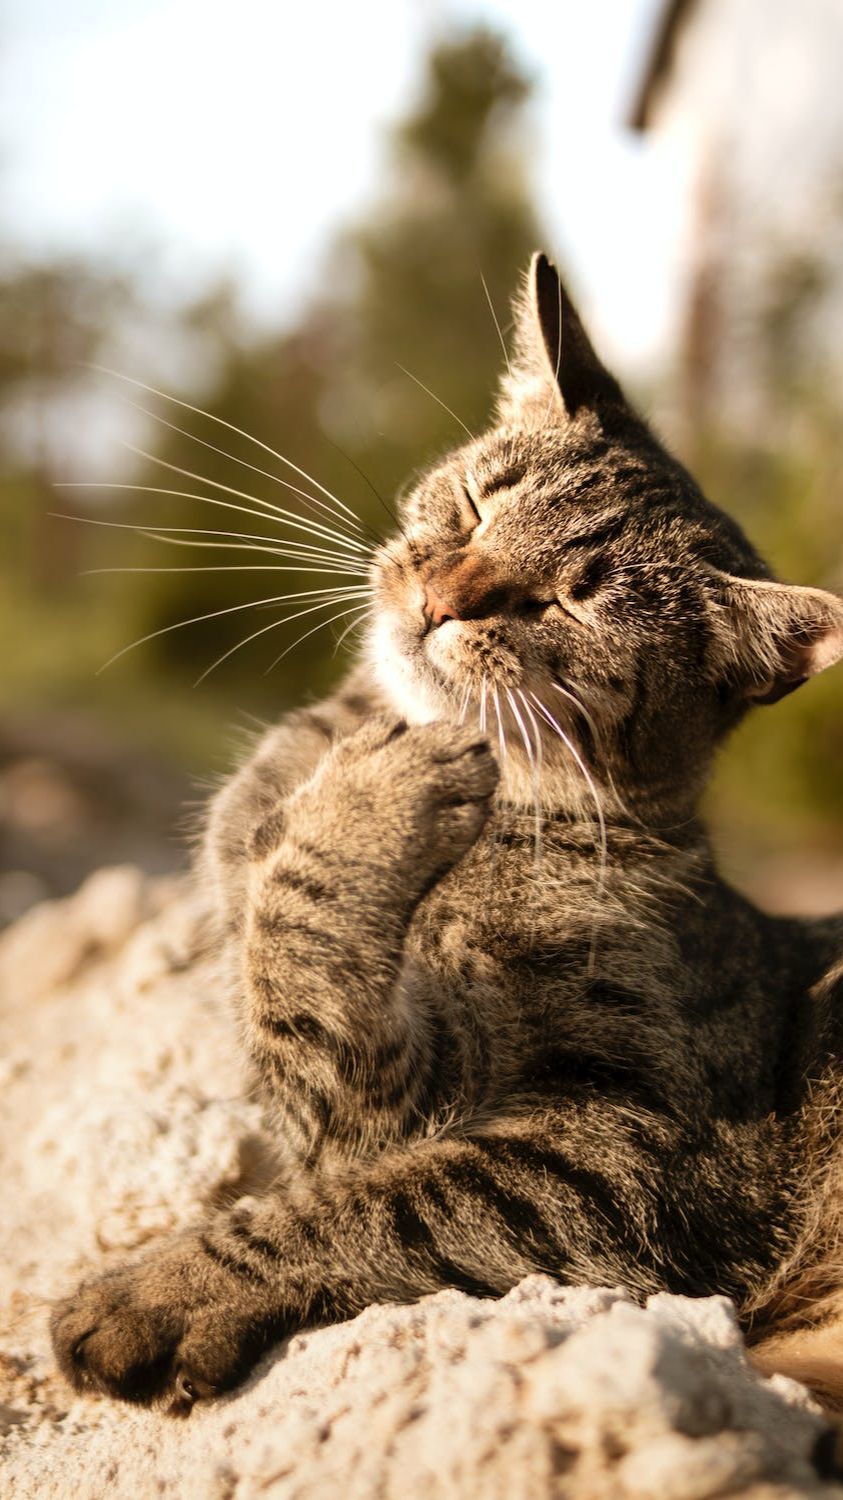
[[121, 1114]]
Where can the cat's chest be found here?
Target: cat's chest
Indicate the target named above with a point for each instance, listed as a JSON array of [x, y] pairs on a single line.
[[542, 947], [505, 937], [512, 901]]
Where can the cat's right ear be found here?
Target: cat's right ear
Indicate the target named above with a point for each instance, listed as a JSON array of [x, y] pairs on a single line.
[[554, 372], [776, 635]]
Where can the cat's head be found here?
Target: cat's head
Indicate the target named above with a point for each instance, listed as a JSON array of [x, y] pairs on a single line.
[[563, 578]]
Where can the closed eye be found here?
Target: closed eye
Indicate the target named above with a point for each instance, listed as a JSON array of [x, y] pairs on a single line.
[[473, 515], [590, 578], [535, 606], [506, 480]]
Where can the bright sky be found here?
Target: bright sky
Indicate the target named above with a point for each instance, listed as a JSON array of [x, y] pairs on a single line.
[[156, 127]]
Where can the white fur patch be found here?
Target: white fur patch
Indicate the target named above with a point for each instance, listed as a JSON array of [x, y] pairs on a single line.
[[395, 675]]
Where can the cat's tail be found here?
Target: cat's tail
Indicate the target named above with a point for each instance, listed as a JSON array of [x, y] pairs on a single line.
[[811, 1355], [795, 1323]]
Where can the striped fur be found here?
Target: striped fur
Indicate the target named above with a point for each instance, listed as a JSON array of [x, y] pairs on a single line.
[[496, 1031]]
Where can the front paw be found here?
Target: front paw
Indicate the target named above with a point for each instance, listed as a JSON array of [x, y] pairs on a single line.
[[176, 1327], [410, 800]]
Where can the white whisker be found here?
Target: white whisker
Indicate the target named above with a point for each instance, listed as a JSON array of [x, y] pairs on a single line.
[[162, 533], [497, 324], [579, 705], [596, 736], [210, 615], [528, 745], [221, 422], [329, 510], [153, 489], [321, 562], [433, 396], [481, 716], [322, 623], [278, 547], [589, 781], [319, 559], [340, 538], [227, 568], [501, 735], [364, 610], [273, 625], [537, 794]]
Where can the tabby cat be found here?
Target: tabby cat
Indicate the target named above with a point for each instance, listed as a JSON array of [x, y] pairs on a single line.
[[505, 1015]]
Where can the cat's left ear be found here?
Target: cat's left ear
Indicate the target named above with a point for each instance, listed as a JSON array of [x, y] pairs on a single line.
[[554, 370], [778, 635]]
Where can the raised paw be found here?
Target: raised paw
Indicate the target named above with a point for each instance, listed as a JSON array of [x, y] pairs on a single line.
[[409, 800], [175, 1327]]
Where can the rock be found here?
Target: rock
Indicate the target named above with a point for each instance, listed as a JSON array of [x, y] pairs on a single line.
[[122, 1114]]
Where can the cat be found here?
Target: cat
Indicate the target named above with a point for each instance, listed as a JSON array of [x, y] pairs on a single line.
[[503, 1012]]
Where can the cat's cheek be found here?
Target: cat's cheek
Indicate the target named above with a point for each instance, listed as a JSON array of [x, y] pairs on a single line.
[[463, 652]]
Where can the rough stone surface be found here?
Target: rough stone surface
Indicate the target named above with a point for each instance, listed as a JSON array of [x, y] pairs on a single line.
[[121, 1114]]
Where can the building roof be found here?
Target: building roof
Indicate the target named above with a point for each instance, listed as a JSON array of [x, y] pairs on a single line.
[[673, 16]]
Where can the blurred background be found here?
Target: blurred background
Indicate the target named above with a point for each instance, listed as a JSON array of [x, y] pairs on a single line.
[[266, 211]]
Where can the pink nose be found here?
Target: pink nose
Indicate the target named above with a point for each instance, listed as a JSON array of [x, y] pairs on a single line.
[[437, 609]]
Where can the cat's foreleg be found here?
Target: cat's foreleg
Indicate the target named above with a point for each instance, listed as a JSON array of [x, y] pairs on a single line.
[[336, 874], [285, 757], [477, 1213], [340, 1044]]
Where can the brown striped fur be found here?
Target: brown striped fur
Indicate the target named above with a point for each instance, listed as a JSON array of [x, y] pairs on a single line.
[[492, 1041]]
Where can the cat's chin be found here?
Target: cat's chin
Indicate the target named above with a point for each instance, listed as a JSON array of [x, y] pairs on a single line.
[[414, 686], [430, 675]]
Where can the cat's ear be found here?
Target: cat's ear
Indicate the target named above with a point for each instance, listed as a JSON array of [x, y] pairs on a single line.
[[778, 635], [554, 371]]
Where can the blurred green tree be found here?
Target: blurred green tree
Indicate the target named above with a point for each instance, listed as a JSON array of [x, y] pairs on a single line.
[[783, 479], [54, 317]]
